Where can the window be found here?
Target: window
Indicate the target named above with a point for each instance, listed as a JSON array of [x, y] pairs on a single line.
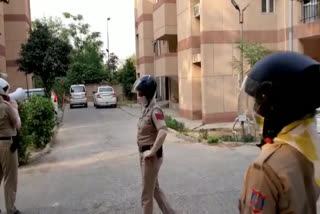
[[157, 48], [77, 89], [105, 90], [267, 6]]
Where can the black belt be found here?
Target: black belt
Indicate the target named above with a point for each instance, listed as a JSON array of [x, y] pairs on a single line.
[[145, 148], [5, 138]]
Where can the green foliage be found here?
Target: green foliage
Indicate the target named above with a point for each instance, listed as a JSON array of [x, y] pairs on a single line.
[[246, 138], [112, 63], [203, 134], [213, 139], [252, 52], [87, 66], [24, 139], [79, 32], [127, 76], [44, 55], [38, 121], [174, 124]]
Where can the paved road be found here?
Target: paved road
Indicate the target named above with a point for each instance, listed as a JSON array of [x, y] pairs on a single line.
[[93, 168]]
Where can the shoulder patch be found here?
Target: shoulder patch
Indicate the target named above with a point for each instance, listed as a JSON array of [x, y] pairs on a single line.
[[257, 201], [159, 116]]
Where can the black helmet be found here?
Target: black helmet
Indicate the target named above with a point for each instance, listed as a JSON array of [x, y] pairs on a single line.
[[145, 86], [285, 87]]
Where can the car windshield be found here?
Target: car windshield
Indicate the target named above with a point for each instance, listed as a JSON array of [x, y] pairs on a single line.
[[77, 89], [37, 93], [105, 90]]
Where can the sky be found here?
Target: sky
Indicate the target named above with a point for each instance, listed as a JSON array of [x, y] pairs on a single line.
[[96, 12]]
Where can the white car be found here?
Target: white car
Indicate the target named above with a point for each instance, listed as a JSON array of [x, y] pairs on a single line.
[[40, 92], [105, 96], [78, 95]]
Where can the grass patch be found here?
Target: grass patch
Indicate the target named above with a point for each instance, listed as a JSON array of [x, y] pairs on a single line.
[[176, 125], [213, 139]]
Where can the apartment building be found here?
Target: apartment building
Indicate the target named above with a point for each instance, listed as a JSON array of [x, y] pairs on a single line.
[[15, 23], [188, 45]]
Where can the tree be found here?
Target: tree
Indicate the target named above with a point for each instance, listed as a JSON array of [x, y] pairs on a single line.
[[252, 52], [87, 57], [80, 35], [112, 63], [87, 67], [127, 76], [44, 55]]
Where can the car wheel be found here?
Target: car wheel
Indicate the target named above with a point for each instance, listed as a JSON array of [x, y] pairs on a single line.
[[115, 106], [86, 105]]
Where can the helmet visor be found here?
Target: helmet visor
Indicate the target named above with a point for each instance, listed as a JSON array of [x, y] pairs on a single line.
[[135, 86], [245, 100]]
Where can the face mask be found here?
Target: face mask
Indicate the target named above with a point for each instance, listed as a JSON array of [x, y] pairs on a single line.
[[143, 101], [258, 122]]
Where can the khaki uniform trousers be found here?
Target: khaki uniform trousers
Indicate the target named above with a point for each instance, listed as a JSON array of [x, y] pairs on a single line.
[[9, 175], [150, 186]]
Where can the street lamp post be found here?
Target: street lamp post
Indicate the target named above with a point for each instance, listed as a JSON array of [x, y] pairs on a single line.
[[241, 20], [241, 75], [108, 49]]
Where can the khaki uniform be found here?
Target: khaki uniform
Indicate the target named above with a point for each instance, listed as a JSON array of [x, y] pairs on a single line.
[[280, 181], [8, 160], [149, 124]]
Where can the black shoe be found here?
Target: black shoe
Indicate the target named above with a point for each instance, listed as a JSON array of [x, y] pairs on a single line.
[[17, 212]]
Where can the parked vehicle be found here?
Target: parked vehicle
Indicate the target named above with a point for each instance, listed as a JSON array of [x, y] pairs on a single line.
[[105, 96], [40, 92], [78, 96]]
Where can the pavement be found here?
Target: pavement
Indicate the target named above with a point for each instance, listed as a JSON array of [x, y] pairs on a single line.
[[93, 168]]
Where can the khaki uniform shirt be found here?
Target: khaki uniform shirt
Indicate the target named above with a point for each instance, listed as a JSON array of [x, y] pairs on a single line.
[[151, 121], [9, 120], [280, 181]]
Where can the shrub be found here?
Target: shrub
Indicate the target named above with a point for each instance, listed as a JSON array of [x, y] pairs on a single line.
[[23, 138], [213, 139], [174, 124], [203, 134], [38, 121], [246, 138]]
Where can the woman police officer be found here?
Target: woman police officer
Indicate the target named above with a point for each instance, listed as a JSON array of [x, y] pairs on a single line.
[[284, 178], [152, 131], [9, 123]]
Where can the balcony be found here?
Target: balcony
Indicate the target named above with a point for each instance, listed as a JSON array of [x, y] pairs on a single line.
[[166, 65], [165, 19], [310, 11]]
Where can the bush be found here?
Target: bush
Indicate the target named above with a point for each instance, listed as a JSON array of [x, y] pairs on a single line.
[[213, 139], [174, 124], [246, 138], [23, 138], [38, 121], [203, 134]]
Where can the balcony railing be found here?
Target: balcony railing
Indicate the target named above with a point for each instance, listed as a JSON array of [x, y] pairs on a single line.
[[310, 11]]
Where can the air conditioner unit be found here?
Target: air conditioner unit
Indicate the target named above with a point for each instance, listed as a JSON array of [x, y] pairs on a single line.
[[196, 11]]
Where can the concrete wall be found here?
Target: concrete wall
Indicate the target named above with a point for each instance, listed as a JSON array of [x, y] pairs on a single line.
[[17, 23], [189, 74], [94, 87], [144, 36], [164, 19]]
